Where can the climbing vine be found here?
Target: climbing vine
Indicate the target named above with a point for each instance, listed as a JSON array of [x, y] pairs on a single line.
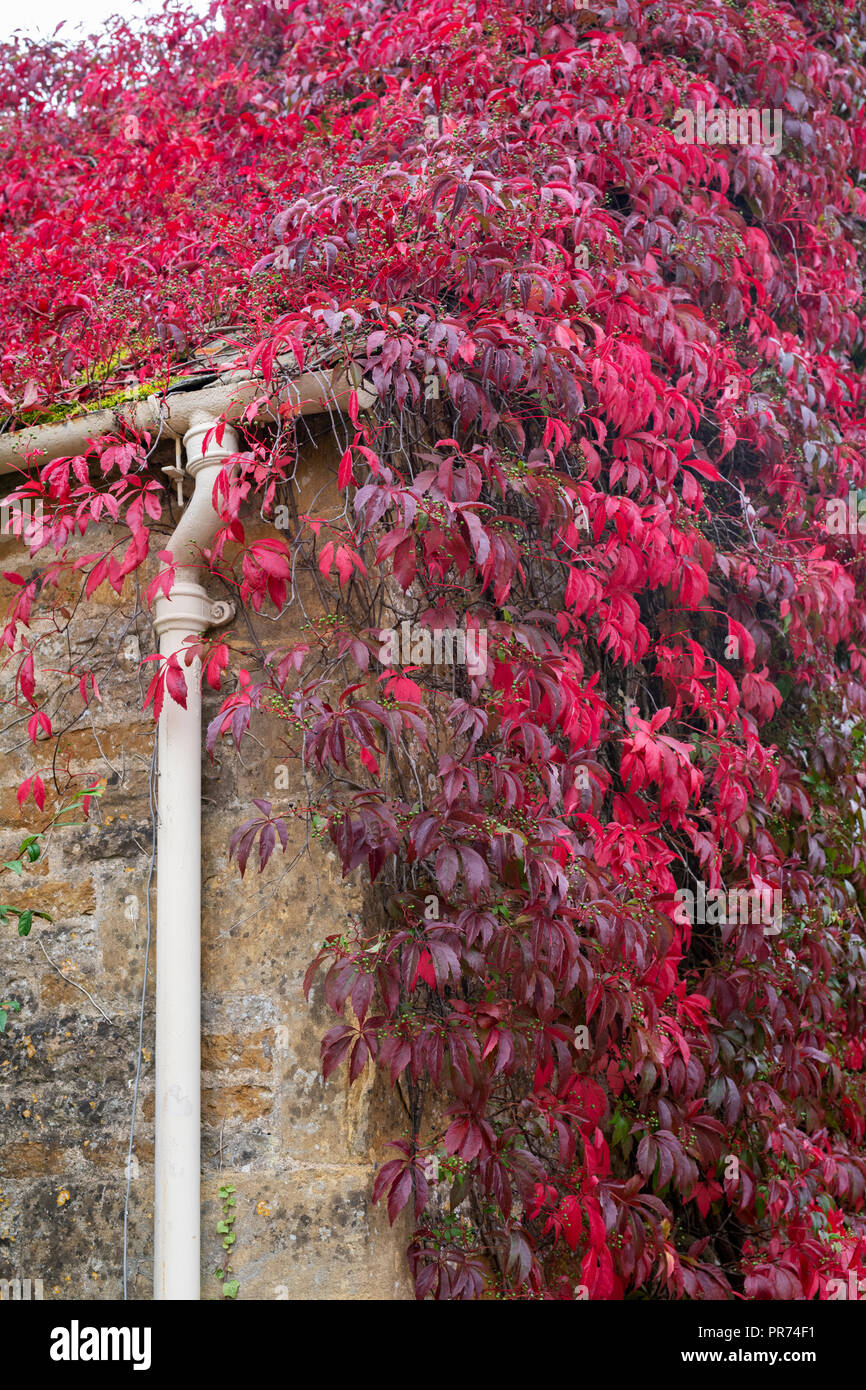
[[6, 1007], [225, 1229]]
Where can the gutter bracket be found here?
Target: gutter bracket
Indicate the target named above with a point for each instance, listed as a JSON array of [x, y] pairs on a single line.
[[221, 612]]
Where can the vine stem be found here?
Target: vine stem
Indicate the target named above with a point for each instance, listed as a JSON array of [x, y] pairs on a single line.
[[74, 984]]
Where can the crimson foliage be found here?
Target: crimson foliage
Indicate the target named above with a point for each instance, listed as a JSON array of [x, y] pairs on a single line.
[[617, 381]]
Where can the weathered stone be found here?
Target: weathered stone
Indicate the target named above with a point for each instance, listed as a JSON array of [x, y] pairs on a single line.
[[61, 1228], [241, 1103], [306, 1235], [61, 900], [122, 835], [54, 991], [28, 1158], [233, 1052]]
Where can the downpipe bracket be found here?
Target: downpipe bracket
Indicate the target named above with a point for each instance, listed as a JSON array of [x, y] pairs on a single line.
[[221, 612], [189, 609]]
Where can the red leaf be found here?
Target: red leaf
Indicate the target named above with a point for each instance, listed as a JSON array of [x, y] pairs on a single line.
[[426, 969], [344, 474], [399, 1195], [216, 664], [401, 688], [176, 681], [706, 470], [26, 678], [155, 692], [369, 761], [326, 556], [38, 722]]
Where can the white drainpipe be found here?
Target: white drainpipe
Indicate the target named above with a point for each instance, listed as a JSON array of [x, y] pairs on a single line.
[[177, 1160]]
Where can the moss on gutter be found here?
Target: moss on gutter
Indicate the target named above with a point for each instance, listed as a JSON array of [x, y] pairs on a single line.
[[61, 412]]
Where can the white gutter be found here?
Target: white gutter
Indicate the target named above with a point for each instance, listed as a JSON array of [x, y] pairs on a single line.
[[186, 610], [227, 398]]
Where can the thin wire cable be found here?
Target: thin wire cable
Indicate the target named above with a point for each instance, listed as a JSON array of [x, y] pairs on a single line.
[[140, 1026]]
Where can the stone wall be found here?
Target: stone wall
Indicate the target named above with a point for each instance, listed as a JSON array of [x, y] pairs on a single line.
[[300, 1152]]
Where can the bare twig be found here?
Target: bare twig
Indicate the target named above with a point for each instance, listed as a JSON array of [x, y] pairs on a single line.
[[74, 983]]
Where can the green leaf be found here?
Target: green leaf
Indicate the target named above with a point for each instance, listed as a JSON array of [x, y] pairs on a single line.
[[230, 1288], [621, 1126], [3, 1017], [15, 865], [25, 922]]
